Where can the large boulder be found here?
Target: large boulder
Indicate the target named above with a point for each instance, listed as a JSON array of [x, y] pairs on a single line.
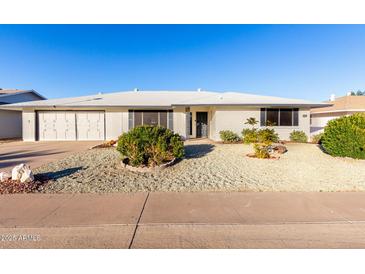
[[22, 173]]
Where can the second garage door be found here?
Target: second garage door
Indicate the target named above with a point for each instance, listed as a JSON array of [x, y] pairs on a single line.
[[71, 125], [90, 125]]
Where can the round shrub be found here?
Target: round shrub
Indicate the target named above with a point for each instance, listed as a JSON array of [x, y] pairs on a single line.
[[298, 136], [150, 146], [267, 135], [249, 135], [228, 136], [259, 136], [345, 136]]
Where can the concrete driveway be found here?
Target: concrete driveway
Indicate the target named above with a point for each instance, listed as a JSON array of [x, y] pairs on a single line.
[[37, 154], [183, 220]]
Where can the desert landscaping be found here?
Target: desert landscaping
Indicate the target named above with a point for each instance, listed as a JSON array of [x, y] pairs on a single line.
[[208, 167]]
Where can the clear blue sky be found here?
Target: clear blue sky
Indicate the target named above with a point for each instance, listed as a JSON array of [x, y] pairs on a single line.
[[299, 61]]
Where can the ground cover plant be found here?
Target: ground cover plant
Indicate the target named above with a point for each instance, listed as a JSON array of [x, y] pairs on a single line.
[[298, 136], [228, 136]]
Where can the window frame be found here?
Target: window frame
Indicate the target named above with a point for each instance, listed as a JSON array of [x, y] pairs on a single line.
[[294, 117], [132, 119]]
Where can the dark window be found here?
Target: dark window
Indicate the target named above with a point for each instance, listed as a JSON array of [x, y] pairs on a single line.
[[147, 117], [137, 118], [163, 119], [150, 118], [272, 117], [286, 117], [279, 117]]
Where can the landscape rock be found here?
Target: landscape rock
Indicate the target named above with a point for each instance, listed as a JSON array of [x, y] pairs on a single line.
[[22, 173], [4, 176], [280, 149]]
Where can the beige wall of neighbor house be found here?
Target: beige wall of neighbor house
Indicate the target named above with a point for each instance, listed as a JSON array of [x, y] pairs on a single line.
[[10, 124]]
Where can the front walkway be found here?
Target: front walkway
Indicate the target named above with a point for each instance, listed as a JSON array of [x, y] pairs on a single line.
[[36, 154], [183, 220]]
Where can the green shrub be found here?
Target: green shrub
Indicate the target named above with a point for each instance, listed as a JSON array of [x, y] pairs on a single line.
[[262, 150], [267, 135], [259, 136], [228, 136], [298, 136], [150, 145], [345, 136], [249, 135], [317, 138]]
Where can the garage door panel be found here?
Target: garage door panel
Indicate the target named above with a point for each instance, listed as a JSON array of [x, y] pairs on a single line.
[[90, 125]]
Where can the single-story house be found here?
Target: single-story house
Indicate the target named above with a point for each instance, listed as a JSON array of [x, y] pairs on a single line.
[[341, 106], [11, 120], [192, 114]]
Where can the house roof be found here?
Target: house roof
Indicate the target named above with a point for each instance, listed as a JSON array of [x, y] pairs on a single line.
[[345, 103], [167, 99], [11, 92]]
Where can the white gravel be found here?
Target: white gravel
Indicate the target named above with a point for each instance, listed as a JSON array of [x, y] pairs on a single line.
[[209, 167]]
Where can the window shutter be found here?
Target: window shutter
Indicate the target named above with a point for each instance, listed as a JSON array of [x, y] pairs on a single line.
[[130, 119], [295, 117], [263, 117], [170, 120]]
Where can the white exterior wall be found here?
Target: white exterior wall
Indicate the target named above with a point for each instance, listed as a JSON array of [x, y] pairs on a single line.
[[28, 125], [234, 118], [10, 124], [179, 117], [116, 123], [231, 118]]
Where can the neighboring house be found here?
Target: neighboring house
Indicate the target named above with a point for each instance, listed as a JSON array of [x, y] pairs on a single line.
[[11, 120], [342, 106], [192, 114]]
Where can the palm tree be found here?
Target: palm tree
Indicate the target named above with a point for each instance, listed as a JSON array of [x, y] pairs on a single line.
[[251, 121]]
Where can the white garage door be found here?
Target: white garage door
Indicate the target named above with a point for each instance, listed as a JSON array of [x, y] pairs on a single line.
[[57, 125], [70, 125], [90, 125]]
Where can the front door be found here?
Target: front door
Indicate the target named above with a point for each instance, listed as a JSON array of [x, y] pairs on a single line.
[[201, 124]]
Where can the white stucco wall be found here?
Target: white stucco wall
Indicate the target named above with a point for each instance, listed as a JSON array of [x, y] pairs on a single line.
[[179, 117], [28, 123], [10, 124], [234, 118], [116, 122]]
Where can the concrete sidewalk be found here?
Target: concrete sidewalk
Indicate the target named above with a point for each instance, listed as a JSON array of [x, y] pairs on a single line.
[[183, 220]]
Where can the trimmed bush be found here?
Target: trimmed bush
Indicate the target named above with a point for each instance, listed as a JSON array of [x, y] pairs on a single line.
[[249, 135], [228, 136], [345, 136], [262, 150], [267, 135], [298, 136], [317, 138], [150, 146], [259, 136]]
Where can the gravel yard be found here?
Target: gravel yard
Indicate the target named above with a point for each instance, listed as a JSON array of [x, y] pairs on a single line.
[[210, 167]]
